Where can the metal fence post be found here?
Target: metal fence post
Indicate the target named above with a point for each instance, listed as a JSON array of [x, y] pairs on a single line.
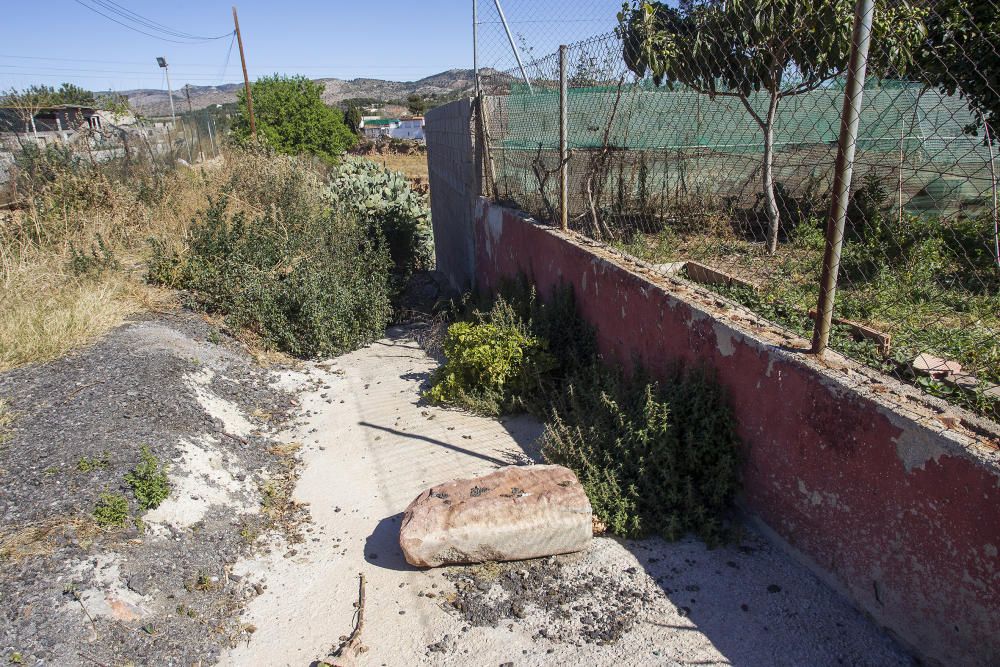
[[847, 142], [563, 140]]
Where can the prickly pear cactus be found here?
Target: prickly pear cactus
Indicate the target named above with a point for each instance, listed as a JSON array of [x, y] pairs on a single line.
[[384, 200]]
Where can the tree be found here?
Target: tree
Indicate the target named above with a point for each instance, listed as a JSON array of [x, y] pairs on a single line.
[[352, 118], [777, 49], [69, 93], [417, 104], [960, 55], [292, 118]]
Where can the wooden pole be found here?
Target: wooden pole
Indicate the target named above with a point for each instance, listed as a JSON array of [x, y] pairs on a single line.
[[246, 79]]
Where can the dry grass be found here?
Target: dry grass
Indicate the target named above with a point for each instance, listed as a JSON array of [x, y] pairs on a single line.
[[47, 310], [39, 539], [414, 166]]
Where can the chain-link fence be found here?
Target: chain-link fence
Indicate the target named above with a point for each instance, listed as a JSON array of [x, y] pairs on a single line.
[[704, 140]]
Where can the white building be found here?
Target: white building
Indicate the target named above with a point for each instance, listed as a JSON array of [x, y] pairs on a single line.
[[410, 127], [374, 128]]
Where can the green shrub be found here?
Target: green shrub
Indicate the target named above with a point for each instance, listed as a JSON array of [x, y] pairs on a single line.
[[111, 510], [101, 258], [149, 481], [292, 117], [384, 201], [490, 365], [305, 280], [653, 459]]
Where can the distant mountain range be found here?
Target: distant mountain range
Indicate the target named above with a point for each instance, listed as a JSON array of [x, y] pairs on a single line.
[[152, 102]]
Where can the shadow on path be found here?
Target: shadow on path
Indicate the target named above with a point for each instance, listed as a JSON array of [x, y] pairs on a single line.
[[382, 546], [435, 441]]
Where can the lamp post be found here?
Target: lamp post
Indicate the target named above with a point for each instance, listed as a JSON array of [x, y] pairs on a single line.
[[162, 62]]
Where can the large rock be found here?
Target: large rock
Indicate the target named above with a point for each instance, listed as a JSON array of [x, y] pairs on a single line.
[[514, 513]]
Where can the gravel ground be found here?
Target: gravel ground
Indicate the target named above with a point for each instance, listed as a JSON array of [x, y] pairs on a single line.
[[157, 592]]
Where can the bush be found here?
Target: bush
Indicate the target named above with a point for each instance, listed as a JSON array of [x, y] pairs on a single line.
[[148, 481], [273, 257], [111, 510], [492, 365], [310, 286], [384, 201], [653, 459]]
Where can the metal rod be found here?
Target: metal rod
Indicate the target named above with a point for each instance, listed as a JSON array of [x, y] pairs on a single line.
[[513, 46], [170, 95], [846, 145], [475, 44], [211, 137], [993, 178], [563, 140]]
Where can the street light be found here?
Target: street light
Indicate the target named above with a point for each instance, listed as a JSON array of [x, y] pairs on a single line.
[[162, 62]]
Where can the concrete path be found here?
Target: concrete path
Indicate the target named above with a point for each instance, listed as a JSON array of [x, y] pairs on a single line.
[[369, 447]]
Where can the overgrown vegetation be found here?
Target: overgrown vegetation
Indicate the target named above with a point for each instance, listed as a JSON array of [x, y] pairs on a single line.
[[148, 481], [390, 208], [275, 258], [930, 282], [653, 459], [71, 238]]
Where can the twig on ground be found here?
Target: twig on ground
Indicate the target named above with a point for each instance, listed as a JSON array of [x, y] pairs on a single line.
[[81, 388], [237, 438], [352, 643]]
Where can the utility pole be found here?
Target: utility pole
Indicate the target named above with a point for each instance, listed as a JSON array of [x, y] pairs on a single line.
[[246, 79], [197, 132], [162, 62]]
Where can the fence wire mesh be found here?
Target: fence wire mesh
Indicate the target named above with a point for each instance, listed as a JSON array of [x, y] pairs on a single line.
[[703, 140]]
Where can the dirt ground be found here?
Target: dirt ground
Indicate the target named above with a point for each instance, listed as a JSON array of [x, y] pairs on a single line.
[[289, 482]]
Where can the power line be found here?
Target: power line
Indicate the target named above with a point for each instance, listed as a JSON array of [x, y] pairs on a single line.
[[225, 66], [128, 14], [210, 65], [143, 32]]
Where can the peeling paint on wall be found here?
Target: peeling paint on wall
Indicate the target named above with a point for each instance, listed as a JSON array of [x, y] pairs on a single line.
[[724, 339]]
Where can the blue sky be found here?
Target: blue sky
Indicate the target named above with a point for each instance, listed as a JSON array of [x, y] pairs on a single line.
[[403, 41]]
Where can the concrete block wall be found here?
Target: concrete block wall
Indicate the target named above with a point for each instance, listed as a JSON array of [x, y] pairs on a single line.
[[454, 166], [873, 485]]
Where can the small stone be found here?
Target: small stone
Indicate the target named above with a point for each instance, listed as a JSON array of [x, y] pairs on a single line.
[[935, 366]]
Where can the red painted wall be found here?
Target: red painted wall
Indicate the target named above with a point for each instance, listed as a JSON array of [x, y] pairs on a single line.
[[905, 517]]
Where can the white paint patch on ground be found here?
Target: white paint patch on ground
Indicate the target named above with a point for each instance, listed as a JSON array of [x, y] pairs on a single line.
[[107, 596], [216, 406], [369, 448], [202, 476]]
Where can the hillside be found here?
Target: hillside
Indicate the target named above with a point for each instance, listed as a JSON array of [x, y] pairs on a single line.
[[155, 102]]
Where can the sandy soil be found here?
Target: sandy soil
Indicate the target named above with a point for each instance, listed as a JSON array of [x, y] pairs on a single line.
[[369, 447]]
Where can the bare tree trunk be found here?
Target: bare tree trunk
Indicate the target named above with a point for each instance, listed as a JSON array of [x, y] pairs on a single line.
[[773, 215]]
